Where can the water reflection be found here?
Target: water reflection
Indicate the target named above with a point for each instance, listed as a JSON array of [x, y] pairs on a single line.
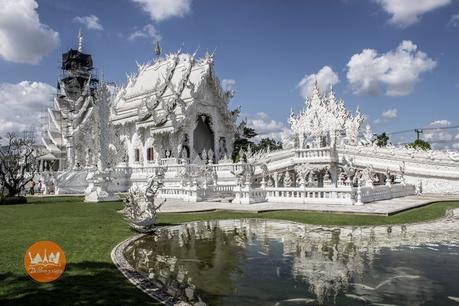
[[260, 262]]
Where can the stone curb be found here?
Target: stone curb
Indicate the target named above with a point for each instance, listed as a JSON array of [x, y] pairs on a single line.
[[140, 281]]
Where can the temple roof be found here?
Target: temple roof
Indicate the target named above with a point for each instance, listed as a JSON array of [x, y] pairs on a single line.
[[168, 85], [323, 115], [74, 59]]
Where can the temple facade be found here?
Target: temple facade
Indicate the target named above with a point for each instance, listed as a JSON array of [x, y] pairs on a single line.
[[174, 108]]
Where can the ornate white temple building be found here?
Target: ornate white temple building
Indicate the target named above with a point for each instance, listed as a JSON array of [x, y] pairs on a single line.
[[174, 108], [172, 120]]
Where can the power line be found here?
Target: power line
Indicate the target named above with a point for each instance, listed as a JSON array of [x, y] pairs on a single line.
[[433, 142], [420, 130]]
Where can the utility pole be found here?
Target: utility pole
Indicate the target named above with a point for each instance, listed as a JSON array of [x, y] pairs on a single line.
[[418, 132]]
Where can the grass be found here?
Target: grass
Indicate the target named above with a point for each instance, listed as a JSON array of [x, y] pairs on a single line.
[[88, 232]]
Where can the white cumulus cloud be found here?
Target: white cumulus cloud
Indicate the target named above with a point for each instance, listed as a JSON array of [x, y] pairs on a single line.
[[454, 20], [91, 22], [325, 77], [228, 84], [23, 38], [439, 123], [22, 104], [390, 114], [267, 127], [397, 70], [441, 138], [163, 9], [408, 12], [148, 31]]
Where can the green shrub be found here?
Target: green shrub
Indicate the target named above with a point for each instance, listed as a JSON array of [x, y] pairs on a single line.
[[13, 200]]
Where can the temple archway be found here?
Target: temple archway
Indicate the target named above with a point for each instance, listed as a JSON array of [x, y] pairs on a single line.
[[185, 152], [203, 136]]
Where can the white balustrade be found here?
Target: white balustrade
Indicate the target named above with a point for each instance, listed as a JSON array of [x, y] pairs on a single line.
[[343, 195], [247, 195], [316, 154], [384, 192], [224, 186]]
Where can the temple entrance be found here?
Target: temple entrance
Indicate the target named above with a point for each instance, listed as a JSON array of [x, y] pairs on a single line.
[[203, 136], [185, 152]]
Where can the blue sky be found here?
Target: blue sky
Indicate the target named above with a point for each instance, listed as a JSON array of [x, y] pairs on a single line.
[[268, 51]]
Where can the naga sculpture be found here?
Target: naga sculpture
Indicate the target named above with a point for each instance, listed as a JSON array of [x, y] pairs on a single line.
[[140, 209]]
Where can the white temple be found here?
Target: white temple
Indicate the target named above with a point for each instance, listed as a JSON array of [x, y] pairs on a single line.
[[175, 108], [172, 117]]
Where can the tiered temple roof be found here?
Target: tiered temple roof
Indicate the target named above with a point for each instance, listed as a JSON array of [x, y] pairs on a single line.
[[326, 116], [161, 93]]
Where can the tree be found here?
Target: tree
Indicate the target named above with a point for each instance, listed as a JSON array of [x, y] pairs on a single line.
[[243, 140], [382, 140], [420, 144], [17, 163], [266, 143]]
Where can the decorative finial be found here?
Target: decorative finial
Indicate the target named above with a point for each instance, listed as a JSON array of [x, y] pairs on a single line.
[[158, 49], [80, 41], [316, 90]]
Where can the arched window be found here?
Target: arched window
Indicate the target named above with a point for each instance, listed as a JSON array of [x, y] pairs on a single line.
[[150, 154], [136, 155]]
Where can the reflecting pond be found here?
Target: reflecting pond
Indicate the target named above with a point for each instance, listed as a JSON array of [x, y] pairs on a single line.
[[263, 262]]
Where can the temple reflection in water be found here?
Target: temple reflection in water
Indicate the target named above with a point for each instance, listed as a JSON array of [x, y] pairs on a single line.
[[275, 262]]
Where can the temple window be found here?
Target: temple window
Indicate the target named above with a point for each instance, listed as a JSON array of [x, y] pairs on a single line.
[[150, 154], [136, 155]]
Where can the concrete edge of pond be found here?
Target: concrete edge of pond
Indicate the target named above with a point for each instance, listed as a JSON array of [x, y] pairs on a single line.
[[137, 279], [148, 287]]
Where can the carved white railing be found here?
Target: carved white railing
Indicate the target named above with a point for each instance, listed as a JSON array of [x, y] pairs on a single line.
[[172, 161], [186, 193], [325, 154], [193, 193], [444, 158], [225, 167], [327, 195], [122, 170], [247, 195], [383, 192], [295, 195], [222, 188], [172, 192]]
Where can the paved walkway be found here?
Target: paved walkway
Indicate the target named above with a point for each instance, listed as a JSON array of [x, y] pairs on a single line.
[[386, 207]]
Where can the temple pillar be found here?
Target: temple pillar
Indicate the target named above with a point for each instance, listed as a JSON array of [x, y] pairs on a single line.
[[191, 146], [334, 174]]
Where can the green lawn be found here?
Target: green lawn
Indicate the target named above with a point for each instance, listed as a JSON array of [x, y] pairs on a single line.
[[88, 232]]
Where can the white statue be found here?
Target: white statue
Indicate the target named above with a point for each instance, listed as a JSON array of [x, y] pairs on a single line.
[[287, 180], [302, 171], [402, 168], [140, 209]]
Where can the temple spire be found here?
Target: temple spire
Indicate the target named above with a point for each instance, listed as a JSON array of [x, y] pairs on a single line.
[[80, 41], [157, 49]]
